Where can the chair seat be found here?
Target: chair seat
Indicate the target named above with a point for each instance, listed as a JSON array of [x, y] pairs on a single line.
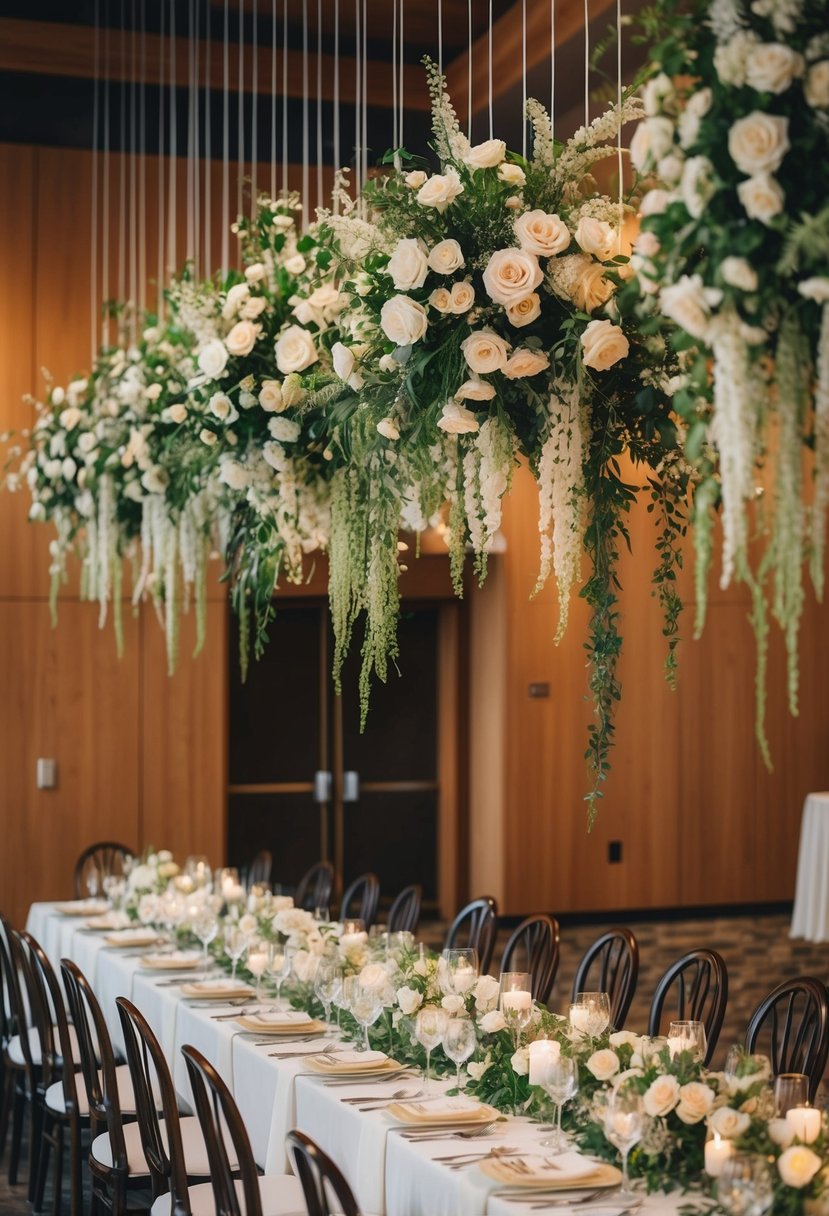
[[126, 1096], [15, 1048], [195, 1153], [281, 1195]]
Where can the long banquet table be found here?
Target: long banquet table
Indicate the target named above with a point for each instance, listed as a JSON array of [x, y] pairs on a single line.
[[390, 1176]]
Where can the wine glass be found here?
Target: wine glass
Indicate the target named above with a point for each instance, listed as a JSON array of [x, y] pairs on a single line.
[[458, 971], [624, 1124], [428, 1030], [205, 927], [197, 869], [281, 965], [560, 1081], [688, 1036], [257, 965], [745, 1186], [236, 942], [516, 1001], [590, 1013], [326, 983], [366, 1007], [92, 880], [459, 1042], [790, 1089]]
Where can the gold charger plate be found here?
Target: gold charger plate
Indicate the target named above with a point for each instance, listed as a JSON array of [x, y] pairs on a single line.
[[129, 943], [169, 962], [312, 1026], [455, 1113], [331, 1067], [203, 992], [507, 1170], [83, 907]]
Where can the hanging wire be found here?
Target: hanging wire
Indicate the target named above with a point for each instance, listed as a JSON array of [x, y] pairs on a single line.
[[191, 133], [619, 163], [285, 98], [93, 234], [401, 72], [440, 36], [196, 145], [320, 199], [337, 165], [469, 75], [142, 160], [240, 114], [160, 275], [358, 160], [122, 163], [273, 99], [208, 145], [133, 198], [365, 86], [524, 78], [225, 141], [254, 119], [395, 139], [553, 68], [305, 132], [173, 149], [587, 63], [489, 64]]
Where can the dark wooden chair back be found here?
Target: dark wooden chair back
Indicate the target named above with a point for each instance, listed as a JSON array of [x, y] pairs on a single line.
[[791, 1025], [260, 868], [216, 1109], [39, 1000], [104, 857], [315, 887], [694, 988], [361, 899], [150, 1076], [534, 946], [611, 965], [321, 1180], [14, 1007], [476, 927], [99, 1078], [404, 914]]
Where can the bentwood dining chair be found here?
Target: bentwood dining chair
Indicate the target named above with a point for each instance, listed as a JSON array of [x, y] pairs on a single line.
[[96, 862], [611, 965], [791, 1026], [361, 899], [475, 926], [534, 947], [17, 1053], [248, 1193], [693, 988], [326, 1190], [404, 914], [315, 887]]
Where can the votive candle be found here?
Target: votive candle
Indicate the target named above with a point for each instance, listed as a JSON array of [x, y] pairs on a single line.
[[804, 1122], [717, 1152]]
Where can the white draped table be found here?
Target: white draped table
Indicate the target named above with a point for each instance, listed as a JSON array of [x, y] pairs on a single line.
[[389, 1175], [810, 915]]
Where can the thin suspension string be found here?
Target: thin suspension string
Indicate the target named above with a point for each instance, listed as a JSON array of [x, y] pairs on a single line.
[[440, 36], [587, 63], [173, 150], [469, 74], [107, 170], [320, 199], [160, 276], [285, 98], [489, 66], [524, 78], [358, 160], [553, 68], [619, 163], [142, 160], [401, 75], [122, 166], [225, 140], [208, 146], [191, 134], [254, 122], [133, 199], [196, 145], [395, 140], [273, 99], [337, 165], [240, 114], [93, 234], [305, 134], [365, 87]]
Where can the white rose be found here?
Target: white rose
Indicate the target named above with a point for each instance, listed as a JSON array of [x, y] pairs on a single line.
[[37, 511], [651, 140], [590, 288], [270, 397], [456, 419], [655, 202], [440, 189], [669, 168], [407, 265], [409, 1000], [212, 359], [661, 1096], [415, 179], [295, 350], [326, 301], [596, 237], [486, 155], [155, 480], [283, 429], [816, 288], [242, 338], [771, 67], [736, 272], [798, 1165], [513, 175], [441, 300], [729, 1123], [274, 455], [695, 1102], [255, 273], [387, 429], [485, 351], [525, 362], [758, 142], [295, 264], [816, 85], [343, 360], [487, 991], [69, 418], [253, 308], [697, 184], [510, 275], [541, 233], [658, 94], [208, 437], [521, 1061], [233, 474], [476, 1071], [603, 344], [475, 390], [87, 442], [57, 396], [780, 1132], [525, 311], [762, 197], [730, 58], [236, 296], [452, 1004], [461, 297], [513, 203], [403, 321], [446, 257], [69, 468], [374, 977], [689, 303], [689, 120], [222, 407], [603, 1064], [492, 1022]]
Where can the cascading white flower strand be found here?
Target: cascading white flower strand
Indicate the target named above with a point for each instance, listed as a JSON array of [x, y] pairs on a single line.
[[820, 505], [561, 497]]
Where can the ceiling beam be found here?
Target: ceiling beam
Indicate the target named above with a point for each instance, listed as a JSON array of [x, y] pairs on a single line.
[[53, 49]]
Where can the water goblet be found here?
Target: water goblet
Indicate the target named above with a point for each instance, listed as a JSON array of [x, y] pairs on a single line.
[[366, 1007], [516, 1001], [428, 1030], [745, 1186], [590, 1013], [205, 927], [257, 965], [236, 943], [624, 1124], [790, 1089], [115, 888], [560, 1081], [688, 1036], [326, 983], [457, 971], [281, 966], [459, 1041], [197, 869]]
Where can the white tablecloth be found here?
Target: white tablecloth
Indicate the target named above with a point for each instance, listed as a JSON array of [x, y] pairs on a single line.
[[810, 916]]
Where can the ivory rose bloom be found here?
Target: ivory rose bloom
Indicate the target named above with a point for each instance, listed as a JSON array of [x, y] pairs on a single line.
[[387, 428], [510, 275], [461, 297], [737, 272], [253, 308], [485, 351], [409, 1000], [343, 360], [212, 359], [178, 412], [816, 85], [407, 265], [222, 408], [486, 155], [525, 362], [236, 295], [798, 1165], [440, 189], [295, 264], [689, 303], [758, 142], [762, 197], [697, 184], [446, 257], [270, 397], [284, 430], [487, 991], [596, 237], [70, 417], [603, 344], [513, 175], [655, 202], [661, 1096], [452, 1004], [492, 1022], [475, 390], [695, 1102], [541, 233], [415, 179], [771, 67], [729, 1123], [651, 140], [208, 437], [403, 321], [242, 338], [295, 350], [525, 311], [603, 1064], [816, 288], [255, 273], [780, 1132], [441, 300], [456, 419], [590, 288], [520, 1061], [374, 977]]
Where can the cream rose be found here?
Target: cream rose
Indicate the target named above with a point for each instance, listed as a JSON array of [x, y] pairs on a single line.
[[485, 351], [780, 1132], [689, 303], [658, 94], [697, 184], [242, 338], [661, 1096], [295, 350], [253, 308], [295, 264], [208, 437], [270, 397], [441, 300], [461, 297], [651, 140], [407, 265], [446, 257], [771, 67], [510, 275], [409, 1000], [603, 344], [603, 1064], [520, 1061], [625, 1038], [222, 408], [212, 359], [762, 197], [236, 296], [403, 321], [255, 273], [492, 1022], [541, 233], [798, 1165], [374, 977], [415, 179], [475, 390], [70, 417], [758, 142], [177, 412], [695, 1101], [387, 428], [816, 85], [596, 237], [525, 311], [729, 1123], [525, 362], [456, 419], [487, 991], [737, 272], [655, 202], [343, 360], [513, 175], [816, 288], [486, 155], [440, 189]]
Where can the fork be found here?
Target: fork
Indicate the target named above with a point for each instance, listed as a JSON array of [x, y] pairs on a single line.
[[418, 1136]]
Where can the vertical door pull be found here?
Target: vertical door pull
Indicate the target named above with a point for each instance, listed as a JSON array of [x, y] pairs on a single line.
[[351, 786], [323, 784]]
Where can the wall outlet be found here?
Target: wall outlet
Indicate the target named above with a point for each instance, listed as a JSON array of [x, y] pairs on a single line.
[[614, 851], [47, 774]]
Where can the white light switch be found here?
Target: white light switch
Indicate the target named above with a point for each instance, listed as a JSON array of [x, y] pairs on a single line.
[[47, 774]]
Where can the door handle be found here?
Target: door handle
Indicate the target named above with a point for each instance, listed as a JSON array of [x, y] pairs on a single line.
[[323, 785], [351, 786]]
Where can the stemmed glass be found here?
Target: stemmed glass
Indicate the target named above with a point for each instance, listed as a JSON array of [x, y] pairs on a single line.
[[624, 1124], [115, 888], [560, 1082], [458, 971], [590, 1013], [459, 1042], [428, 1030], [257, 964], [281, 965], [197, 869], [516, 1001], [745, 1187], [326, 983], [688, 1036], [236, 943], [205, 927], [366, 1006], [790, 1089]]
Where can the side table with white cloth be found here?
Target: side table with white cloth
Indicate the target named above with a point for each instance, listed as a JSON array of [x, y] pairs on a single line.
[[810, 915]]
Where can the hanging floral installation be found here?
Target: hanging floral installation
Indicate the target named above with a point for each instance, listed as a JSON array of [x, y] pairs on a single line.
[[387, 367]]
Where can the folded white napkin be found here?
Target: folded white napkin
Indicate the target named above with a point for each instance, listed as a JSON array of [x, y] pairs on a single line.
[[447, 1106], [224, 983], [361, 1057], [174, 956], [283, 1017], [562, 1167]]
